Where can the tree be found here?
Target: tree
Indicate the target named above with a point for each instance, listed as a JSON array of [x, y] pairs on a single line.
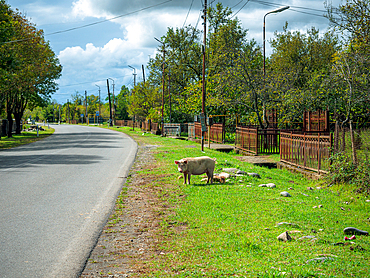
[[352, 19], [145, 102], [296, 69], [122, 100], [29, 80]]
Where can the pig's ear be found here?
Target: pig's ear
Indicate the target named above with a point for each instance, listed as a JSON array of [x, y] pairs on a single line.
[[185, 161], [176, 162]]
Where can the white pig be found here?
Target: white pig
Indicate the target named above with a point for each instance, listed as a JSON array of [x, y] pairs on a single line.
[[196, 166]]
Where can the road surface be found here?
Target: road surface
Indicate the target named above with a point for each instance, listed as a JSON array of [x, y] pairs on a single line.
[[55, 197]]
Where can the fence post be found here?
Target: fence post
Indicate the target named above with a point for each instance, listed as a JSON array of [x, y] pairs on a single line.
[[304, 150], [319, 154], [257, 145], [291, 147]]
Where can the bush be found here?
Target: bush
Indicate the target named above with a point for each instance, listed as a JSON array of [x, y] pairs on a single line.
[[344, 171]]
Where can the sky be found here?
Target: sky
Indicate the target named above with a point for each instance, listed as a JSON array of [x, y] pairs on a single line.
[[97, 40]]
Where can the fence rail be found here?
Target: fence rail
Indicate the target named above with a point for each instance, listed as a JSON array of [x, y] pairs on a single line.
[[172, 129], [308, 151], [257, 141], [217, 133]]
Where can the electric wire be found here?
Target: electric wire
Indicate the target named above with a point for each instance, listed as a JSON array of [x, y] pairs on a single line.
[[191, 5], [93, 23], [240, 9]]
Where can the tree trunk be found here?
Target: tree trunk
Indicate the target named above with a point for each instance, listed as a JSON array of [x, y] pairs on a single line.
[[10, 123], [18, 118], [336, 137], [343, 139], [353, 145]]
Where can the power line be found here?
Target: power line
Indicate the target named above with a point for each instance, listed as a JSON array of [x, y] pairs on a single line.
[[240, 8], [188, 13], [94, 23], [294, 7]]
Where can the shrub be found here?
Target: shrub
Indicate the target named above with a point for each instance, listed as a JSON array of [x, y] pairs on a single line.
[[343, 170]]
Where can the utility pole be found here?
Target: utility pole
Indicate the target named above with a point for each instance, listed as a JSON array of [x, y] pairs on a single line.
[[59, 115], [99, 104], [86, 108], [113, 106], [169, 90], [164, 55], [142, 68], [110, 106], [68, 111], [204, 68], [53, 113]]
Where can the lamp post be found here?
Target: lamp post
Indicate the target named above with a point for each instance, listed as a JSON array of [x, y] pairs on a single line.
[[113, 107], [264, 31], [133, 117], [278, 10], [164, 51], [134, 74], [99, 104]]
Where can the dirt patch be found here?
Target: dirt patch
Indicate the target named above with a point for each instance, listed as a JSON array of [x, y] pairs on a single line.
[[129, 238]]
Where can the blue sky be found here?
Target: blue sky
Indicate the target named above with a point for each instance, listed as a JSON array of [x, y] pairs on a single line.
[[92, 54]]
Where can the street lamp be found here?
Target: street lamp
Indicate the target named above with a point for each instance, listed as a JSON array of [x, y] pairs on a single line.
[[99, 104], [134, 74], [164, 51], [264, 29]]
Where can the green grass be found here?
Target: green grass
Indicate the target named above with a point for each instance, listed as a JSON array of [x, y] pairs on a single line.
[[24, 138], [230, 230]]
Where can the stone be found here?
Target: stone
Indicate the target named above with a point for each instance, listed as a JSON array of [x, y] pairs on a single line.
[[354, 231], [314, 207], [309, 188], [285, 223], [321, 230], [307, 237], [320, 206], [368, 201], [284, 237], [262, 185], [318, 188], [271, 185], [230, 170], [304, 194], [285, 194], [240, 172], [291, 188], [254, 175], [319, 259]]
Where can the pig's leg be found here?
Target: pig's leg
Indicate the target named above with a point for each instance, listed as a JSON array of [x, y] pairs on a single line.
[[185, 176], [209, 177], [188, 178], [211, 174]]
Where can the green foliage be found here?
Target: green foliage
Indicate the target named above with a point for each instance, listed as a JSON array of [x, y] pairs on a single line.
[[28, 66], [344, 171], [122, 100]]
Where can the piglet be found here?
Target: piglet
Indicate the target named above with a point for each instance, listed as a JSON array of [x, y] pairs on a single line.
[[196, 166]]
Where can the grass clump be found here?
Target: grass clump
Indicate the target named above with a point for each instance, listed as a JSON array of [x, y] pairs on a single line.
[[25, 137]]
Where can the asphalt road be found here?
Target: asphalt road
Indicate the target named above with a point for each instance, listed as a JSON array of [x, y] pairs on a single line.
[[56, 196]]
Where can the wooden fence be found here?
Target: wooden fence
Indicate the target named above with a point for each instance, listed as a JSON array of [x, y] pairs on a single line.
[[308, 151], [217, 133], [257, 141], [172, 129]]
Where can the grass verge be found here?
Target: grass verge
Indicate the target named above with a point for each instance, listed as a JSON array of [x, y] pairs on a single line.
[[230, 230], [25, 137]]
